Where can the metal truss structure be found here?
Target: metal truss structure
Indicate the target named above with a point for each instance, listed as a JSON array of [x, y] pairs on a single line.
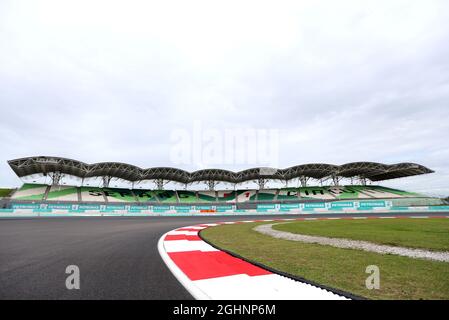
[[56, 167]]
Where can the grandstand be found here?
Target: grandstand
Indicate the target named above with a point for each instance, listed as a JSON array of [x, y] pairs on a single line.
[[30, 192], [364, 174]]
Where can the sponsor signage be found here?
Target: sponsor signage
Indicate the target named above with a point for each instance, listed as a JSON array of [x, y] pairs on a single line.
[[138, 207], [182, 208], [342, 205], [223, 208], [89, 207], [161, 208], [206, 207], [115, 207], [439, 207], [371, 204], [313, 205], [25, 206], [59, 206], [266, 206], [289, 205]]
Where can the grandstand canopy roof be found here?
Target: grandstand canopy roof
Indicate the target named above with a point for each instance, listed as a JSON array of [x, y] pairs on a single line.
[[366, 170]]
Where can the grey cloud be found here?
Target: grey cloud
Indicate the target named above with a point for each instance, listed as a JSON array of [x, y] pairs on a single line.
[[341, 82]]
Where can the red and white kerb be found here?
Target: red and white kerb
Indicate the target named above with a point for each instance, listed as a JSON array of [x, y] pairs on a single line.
[[208, 273]]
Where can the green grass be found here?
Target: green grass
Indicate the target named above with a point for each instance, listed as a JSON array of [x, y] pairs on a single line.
[[400, 277], [5, 192], [432, 234]]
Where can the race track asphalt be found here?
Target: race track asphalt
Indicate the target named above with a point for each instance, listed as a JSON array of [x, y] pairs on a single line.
[[117, 256]]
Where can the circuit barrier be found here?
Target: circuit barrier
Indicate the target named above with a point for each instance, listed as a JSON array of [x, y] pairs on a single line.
[[42, 210]]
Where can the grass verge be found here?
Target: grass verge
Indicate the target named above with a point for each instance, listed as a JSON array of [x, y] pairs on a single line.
[[400, 277], [430, 234], [4, 192]]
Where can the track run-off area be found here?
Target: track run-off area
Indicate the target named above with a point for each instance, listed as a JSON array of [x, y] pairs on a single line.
[[117, 257]]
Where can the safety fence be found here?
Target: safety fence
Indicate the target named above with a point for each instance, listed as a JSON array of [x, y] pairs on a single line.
[[367, 206]]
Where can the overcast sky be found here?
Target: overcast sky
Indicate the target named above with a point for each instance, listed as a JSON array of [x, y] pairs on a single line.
[[320, 81]]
